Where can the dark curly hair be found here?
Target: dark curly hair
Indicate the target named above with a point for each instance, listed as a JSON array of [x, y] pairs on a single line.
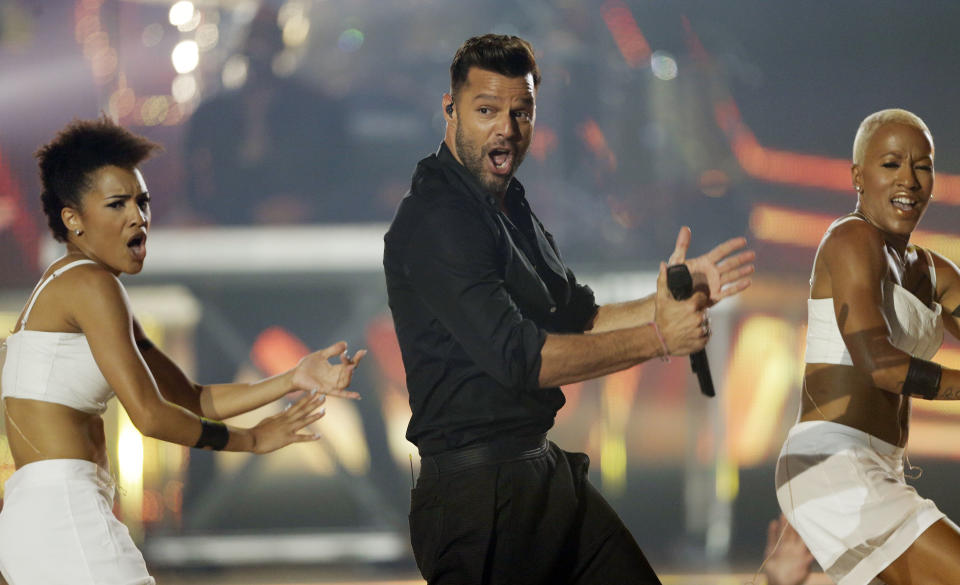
[[68, 161], [504, 54]]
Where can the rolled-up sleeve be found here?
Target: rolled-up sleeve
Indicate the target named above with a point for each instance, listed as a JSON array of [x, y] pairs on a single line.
[[452, 263]]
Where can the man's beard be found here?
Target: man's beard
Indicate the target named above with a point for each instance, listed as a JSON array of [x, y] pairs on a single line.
[[473, 157]]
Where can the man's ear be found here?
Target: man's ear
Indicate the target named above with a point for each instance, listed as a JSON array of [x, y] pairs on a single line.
[[448, 107]]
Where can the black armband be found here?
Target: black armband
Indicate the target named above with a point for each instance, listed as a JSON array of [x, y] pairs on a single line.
[[213, 434], [923, 379], [144, 344]]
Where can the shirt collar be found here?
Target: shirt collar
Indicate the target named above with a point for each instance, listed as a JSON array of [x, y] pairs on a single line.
[[515, 191]]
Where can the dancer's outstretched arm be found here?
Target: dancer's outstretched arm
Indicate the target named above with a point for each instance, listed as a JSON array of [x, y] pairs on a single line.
[[101, 310], [220, 401]]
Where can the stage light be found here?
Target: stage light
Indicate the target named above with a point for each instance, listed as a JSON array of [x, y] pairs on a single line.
[[154, 110], [121, 102], [191, 24], [296, 30], [185, 56], [130, 471], [234, 72], [184, 88], [664, 65], [626, 33], [350, 40], [288, 11], [181, 13], [208, 35], [714, 183], [152, 35]]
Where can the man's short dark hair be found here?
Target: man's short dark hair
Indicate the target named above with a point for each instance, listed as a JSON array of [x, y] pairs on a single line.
[[82, 147], [504, 54]]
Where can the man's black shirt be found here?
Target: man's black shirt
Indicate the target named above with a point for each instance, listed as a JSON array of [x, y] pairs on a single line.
[[474, 292]]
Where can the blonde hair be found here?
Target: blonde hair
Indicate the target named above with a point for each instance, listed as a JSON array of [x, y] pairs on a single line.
[[875, 120]]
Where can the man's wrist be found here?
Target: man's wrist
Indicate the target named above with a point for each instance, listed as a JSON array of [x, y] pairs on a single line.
[[664, 350]]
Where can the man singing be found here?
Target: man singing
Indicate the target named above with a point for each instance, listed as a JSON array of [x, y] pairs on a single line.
[[491, 322]]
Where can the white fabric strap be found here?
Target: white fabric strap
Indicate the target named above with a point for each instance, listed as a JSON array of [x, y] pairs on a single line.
[[46, 281], [933, 271]]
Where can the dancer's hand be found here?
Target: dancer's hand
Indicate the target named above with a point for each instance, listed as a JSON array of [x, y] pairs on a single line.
[[723, 274], [788, 564], [683, 324], [315, 372], [285, 428]]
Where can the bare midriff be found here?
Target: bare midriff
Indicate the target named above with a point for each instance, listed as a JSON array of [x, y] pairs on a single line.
[[38, 430], [844, 395]]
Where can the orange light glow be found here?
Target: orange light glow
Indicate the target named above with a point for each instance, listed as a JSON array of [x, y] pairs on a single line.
[[763, 370], [805, 170], [277, 350], [780, 225], [769, 223], [544, 142], [593, 137], [626, 33]]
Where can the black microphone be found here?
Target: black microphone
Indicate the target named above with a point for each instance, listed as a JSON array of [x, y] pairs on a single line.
[[680, 284]]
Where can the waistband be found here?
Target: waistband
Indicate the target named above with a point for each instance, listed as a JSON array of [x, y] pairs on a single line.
[[499, 451], [819, 430], [56, 471]]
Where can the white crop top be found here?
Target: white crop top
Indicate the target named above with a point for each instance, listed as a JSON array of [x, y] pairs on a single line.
[[54, 366], [915, 328]]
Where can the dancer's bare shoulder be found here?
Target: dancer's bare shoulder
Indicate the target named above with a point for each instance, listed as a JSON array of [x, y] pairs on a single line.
[[850, 248]]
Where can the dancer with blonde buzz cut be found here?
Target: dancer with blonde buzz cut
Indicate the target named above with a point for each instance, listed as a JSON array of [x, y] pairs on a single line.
[[878, 309]]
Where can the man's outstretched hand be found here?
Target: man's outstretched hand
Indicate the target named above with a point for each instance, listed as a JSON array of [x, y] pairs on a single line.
[[720, 269]]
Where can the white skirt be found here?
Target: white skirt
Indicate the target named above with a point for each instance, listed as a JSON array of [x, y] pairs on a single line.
[[57, 528], [844, 492]]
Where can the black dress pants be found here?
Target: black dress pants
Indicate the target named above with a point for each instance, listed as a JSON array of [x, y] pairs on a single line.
[[530, 521]]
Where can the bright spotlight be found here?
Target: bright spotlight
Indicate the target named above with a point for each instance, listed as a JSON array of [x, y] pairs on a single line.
[[664, 65], [185, 56], [181, 13]]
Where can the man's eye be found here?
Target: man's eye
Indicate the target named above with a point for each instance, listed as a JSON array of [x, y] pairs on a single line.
[[115, 204], [891, 165], [484, 110]]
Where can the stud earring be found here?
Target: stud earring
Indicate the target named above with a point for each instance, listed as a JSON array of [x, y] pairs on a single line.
[[859, 189], [78, 232]]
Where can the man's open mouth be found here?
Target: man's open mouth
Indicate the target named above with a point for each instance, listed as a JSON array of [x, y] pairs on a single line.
[[502, 159]]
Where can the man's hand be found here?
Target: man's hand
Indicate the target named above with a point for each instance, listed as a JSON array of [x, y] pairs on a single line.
[[683, 324], [723, 274], [789, 563]]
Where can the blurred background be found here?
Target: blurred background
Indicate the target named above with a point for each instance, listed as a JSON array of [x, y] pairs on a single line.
[[291, 129]]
